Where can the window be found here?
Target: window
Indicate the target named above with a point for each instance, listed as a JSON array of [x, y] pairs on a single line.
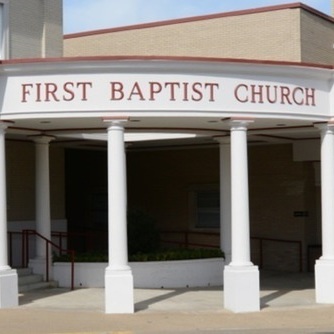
[[205, 207]]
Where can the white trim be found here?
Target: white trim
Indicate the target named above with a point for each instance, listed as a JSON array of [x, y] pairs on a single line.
[[227, 92]]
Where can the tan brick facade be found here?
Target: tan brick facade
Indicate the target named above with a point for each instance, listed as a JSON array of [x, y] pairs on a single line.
[[20, 164], [20, 180], [35, 29], [317, 40], [280, 189], [282, 35]]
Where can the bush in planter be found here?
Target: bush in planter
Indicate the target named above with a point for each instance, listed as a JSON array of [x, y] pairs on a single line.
[[178, 254], [144, 245], [143, 235], [82, 257], [162, 255]]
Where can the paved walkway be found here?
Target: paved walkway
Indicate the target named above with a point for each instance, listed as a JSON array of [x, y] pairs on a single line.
[[287, 306]]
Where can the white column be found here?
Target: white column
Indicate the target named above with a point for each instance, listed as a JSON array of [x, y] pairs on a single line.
[[241, 277], [42, 204], [118, 275], [225, 197], [42, 189], [8, 277], [324, 268]]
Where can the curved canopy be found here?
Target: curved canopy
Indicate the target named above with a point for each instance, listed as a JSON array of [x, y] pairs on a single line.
[[195, 97]]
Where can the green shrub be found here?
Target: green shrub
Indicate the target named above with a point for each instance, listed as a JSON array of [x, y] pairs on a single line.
[[143, 235], [166, 255], [82, 257], [177, 254]]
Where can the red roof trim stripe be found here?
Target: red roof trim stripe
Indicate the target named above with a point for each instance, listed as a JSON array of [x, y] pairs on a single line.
[[163, 58]]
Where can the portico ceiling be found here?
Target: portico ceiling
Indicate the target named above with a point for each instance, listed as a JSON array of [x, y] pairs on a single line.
[[150, 132]]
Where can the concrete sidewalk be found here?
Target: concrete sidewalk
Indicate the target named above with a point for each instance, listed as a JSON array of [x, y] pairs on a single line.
[[287, 305]]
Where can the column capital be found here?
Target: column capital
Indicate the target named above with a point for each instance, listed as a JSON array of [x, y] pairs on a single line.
[[5, 124], [240, 123], [42, 139], [326, 127], [116, 121]]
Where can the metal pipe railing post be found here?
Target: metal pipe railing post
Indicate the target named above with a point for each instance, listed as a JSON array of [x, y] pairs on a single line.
[[47, 260], [22, 249], [72, 270], [10, 245], [48, 244]]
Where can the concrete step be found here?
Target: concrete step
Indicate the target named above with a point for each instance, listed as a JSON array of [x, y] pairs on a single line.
[[29, 281], [36, 286], [23, 271]]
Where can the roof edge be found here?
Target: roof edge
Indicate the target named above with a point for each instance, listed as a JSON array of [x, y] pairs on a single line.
[[164, 58], [202, 17]]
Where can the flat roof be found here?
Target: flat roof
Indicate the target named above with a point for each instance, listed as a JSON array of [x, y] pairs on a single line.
[[295, 5]]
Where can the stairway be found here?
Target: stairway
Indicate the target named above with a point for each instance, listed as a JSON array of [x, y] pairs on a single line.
[[29, 281]]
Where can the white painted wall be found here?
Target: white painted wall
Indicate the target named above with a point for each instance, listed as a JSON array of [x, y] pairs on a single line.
[[167, 274]]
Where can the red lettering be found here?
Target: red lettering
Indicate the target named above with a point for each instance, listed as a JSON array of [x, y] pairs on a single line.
[[295, 99], [310, 96], [185, 91], [69, 96], [26, 91], [269, 97], [38, 93], [84, 86], [211, 90], [136, 91], [155, 88], [274, 94], [237, 91], [285, 95], [50, 92], [116, 91], [172, 86], [258, 93], [197, 91]]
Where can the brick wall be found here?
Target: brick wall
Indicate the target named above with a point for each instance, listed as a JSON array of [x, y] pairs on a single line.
[[269, 35], [282, 204], [20, 167], [35, 28], [20, 164], [160, 182], [280, 189], [317, 38]]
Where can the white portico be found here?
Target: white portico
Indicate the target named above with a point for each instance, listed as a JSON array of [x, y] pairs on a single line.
[[224, 100]]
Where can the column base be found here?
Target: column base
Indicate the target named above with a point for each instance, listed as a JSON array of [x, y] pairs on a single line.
[[324, 278], [119, 296], [242, 288], [228, 258], [9, 294]]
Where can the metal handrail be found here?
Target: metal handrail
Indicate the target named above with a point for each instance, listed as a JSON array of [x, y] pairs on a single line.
[[186, 234], [186, 242], [297, 242], [48, 243]]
